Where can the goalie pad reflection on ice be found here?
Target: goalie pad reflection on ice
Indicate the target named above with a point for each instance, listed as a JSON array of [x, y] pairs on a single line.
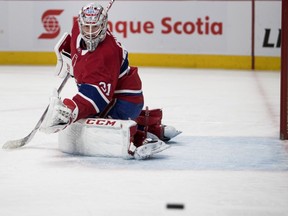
[[106, 138]]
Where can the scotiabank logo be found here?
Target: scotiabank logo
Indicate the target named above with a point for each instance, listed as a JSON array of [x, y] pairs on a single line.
[[50, 24], [168, 26]]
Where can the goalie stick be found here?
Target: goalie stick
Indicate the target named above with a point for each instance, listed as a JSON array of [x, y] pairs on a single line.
[[109, 5], [12, 144]]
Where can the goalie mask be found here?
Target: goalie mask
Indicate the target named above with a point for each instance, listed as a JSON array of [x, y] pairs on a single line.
[[92, 20]]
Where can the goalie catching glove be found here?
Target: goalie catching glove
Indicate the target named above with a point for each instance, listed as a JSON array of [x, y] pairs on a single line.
[[59, 115], [64, 62]]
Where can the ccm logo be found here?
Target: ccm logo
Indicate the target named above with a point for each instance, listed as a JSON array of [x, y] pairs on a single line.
[[105, 122], [50, 24]]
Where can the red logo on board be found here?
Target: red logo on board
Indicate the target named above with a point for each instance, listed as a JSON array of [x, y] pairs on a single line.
[[50, 24]]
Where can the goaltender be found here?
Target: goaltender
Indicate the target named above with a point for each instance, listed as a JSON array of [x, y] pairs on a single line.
[[105, 117]]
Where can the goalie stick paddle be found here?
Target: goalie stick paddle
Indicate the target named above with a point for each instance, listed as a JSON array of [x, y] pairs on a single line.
[[12, 144]]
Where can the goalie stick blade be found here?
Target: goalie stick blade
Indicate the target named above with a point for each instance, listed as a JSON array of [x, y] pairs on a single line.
[[12, 144]]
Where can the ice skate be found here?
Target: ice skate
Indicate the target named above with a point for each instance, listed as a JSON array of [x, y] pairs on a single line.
[[170, 132], [150, 147]]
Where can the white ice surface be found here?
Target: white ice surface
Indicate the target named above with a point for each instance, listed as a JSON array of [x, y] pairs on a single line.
[[228, 160]]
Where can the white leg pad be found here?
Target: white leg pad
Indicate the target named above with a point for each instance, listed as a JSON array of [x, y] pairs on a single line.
[[97, 137]]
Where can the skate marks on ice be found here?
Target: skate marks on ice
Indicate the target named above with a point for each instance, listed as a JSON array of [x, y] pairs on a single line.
[[195, 172], [186, 153], [232, 153], [205, 153]]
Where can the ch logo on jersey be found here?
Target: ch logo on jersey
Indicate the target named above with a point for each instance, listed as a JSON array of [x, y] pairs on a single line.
[[50, 24]]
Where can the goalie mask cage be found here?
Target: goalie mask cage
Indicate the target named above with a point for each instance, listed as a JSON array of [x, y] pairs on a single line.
[[284, 72]]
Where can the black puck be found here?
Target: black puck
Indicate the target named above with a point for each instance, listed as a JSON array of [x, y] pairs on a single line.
[[174, 206]]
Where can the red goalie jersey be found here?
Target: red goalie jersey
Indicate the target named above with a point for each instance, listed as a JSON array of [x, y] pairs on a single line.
[[107, 87], [102, 76]]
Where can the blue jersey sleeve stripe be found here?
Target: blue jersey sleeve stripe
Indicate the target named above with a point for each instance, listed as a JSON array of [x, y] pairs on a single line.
[[90, 101], [94, 95], [125, 66], [100, 92]]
